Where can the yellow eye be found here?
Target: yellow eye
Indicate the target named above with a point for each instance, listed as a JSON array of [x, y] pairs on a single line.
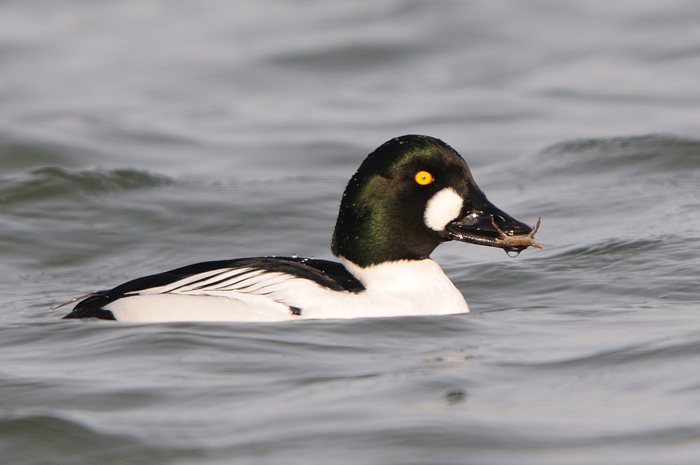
[[424, 178]]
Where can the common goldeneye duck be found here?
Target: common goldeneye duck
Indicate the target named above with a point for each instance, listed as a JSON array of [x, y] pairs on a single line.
[[408, 196]]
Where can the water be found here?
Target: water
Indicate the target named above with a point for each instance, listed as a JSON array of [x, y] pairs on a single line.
[[136, 137]]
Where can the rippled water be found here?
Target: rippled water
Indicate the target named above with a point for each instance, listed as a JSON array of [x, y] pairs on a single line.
[[136, 137]]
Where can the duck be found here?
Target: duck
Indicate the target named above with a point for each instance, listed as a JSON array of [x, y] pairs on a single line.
[[408, 196]]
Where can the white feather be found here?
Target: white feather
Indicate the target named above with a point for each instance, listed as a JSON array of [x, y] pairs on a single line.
[[443, 207], [392, 289]]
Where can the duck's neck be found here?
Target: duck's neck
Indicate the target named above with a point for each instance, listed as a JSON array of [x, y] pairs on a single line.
[[367, 234]]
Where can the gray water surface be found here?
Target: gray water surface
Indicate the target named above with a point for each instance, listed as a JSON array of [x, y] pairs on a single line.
[[137, 137]]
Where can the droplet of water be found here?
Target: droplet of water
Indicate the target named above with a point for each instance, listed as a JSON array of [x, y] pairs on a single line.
[[513, 253]]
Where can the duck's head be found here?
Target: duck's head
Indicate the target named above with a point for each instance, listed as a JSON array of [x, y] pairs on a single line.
[[410, 195]]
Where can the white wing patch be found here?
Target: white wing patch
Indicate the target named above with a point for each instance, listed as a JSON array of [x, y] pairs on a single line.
[[226, 294], [225, 282]]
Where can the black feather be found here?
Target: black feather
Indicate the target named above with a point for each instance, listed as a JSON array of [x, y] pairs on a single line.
[[331, 275]]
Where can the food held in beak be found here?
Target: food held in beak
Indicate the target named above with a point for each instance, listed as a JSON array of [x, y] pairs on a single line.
[[521, 241]]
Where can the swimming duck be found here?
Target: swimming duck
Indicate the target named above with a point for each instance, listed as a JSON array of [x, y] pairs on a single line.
[[408, 196]]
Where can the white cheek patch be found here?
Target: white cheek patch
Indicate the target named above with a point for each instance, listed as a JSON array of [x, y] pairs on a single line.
[[442, 208]]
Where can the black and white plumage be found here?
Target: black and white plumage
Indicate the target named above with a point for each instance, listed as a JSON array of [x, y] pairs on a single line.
[[407, 197], [248, 280]]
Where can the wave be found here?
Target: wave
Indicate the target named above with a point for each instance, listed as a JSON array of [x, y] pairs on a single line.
[[650, 152], [52, 182], [51, 437], [664, 349]]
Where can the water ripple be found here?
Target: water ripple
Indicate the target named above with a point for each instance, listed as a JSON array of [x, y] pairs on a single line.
[[53, 182], [644, 153]]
